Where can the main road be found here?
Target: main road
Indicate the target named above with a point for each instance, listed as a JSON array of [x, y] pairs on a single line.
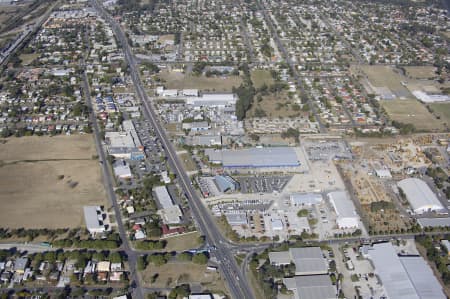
[[109, 187], [236, 280]]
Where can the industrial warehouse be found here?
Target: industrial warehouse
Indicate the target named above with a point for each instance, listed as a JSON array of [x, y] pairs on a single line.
[[420, 196], [273, 157], [404, 277]]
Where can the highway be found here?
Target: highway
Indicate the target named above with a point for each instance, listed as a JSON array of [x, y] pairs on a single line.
[[237, 282]]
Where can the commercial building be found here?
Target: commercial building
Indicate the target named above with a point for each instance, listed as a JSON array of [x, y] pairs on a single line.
[[404, 277], [94, 219], [225, 183], [170, 213], [420, 196], [311, 287], [307, 260], [122, 170], [212, 100], [433, 222], [346, 216], [305, 199], [236, 219], [274, 157]]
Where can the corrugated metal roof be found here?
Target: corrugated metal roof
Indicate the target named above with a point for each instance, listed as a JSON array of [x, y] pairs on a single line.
[[256, 157], [342, 204], [163, 197], [311, 287], [419, 195]]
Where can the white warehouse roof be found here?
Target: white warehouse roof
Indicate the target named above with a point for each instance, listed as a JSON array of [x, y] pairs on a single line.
[[311, 287], [345, 210], [163, 197], [420, 196], [404, 277], [299, 199], [256, 157]]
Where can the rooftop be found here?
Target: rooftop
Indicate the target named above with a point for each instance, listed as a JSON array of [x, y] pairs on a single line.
[[311, 287]]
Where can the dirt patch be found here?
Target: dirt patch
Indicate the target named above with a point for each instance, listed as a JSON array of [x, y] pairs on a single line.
[[46, 181], [412, 112], [176, 80]]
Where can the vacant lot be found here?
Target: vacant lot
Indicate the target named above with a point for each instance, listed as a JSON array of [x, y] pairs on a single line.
[[261, 77], [178, 80], [176, 273], [183, 242], [412, 112], [45, 181], [188, 162], [420, 72], [443, 111], [28, 58], [386, 76], [274, 105]]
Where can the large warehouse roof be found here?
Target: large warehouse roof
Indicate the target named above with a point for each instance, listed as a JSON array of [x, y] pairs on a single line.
[[163, 197], [299, 199], [342, 204], [256, 157], [403, 277], [311, 287], [420, 196], [307, 260], [92, 219]]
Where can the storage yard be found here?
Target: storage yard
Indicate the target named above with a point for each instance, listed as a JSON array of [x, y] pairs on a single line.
[[61, 177]]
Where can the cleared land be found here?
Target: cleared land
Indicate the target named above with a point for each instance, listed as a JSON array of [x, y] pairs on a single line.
[[274, 105], [188, 162], [385, 76], [183, 242], [261, 77], [412, 112], [420, 72], [179, 81], [33, 193], [28, 58], [442, 110], [176, 273]]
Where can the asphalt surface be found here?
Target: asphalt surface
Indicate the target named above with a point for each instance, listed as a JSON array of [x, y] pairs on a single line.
[[109, 187], [237, 282]]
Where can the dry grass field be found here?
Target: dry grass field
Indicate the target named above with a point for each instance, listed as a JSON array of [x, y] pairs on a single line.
[[218, 84], [33, 193], [188, 162], [274, 105], [183, 242], [261, 77], [420, 72], [443, 111], [412, 112], [176, 273], [385, 76]]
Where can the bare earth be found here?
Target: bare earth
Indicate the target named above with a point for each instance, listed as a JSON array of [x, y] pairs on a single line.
[[32, 195]]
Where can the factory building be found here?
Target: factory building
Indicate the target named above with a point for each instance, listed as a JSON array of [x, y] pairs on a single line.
[[345, 210], [419, 195], [275, 157], [404, 277], [94, 219]]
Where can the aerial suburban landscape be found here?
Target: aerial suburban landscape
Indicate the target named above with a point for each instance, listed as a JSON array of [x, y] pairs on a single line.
[[245, 149]]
